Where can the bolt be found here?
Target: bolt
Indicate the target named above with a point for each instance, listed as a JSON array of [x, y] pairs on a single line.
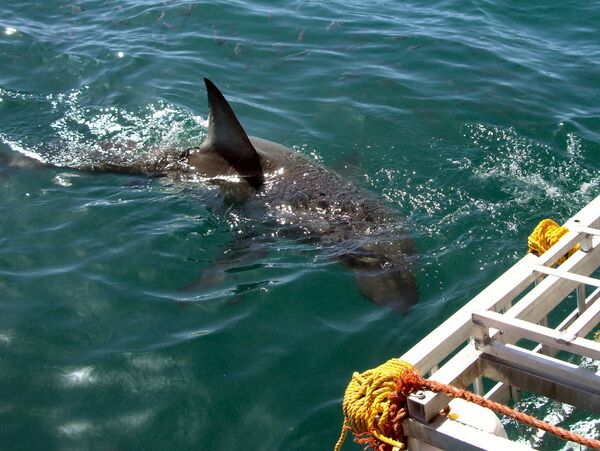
[[420, 394]]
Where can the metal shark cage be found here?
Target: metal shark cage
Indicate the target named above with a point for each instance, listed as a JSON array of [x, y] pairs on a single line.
[[489, 342]]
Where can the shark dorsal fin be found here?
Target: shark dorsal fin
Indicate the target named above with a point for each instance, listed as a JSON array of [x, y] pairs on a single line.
[[227, 137]]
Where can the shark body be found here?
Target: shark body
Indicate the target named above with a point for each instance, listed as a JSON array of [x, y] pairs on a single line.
[[300, 197]]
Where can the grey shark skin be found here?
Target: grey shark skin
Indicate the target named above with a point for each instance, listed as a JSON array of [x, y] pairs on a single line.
[[365, 235], [299, 197]]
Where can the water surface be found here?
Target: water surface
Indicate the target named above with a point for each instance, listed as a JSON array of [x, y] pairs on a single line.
[[473, 120]]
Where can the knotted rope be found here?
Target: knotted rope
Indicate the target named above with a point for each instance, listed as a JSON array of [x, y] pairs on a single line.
[[545, 235], [375, 405]]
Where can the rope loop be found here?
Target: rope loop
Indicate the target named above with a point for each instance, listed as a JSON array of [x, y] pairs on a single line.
[[375, 406], [545, 235]]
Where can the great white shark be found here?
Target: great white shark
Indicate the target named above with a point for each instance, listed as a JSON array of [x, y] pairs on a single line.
[[297, 195]]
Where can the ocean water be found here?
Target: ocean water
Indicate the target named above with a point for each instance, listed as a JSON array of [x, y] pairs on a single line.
[[472, 119]]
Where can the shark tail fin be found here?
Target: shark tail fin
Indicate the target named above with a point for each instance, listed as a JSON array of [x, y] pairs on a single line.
[[227, 137]]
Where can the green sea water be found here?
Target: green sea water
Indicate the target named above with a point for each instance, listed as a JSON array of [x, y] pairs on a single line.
[[472, 119]]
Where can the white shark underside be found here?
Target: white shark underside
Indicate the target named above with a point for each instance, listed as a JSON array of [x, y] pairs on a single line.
[[367, 236]]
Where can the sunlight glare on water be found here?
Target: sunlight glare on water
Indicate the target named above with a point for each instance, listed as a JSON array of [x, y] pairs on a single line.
[[120, 327]]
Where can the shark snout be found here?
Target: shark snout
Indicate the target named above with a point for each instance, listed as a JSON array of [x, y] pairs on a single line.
[[385, 279], [393, 288]]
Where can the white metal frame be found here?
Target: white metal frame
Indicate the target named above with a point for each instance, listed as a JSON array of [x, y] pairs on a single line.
[[481, 339]]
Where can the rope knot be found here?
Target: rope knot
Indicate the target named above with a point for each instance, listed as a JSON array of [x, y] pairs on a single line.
[[545, 235], [375, 405]]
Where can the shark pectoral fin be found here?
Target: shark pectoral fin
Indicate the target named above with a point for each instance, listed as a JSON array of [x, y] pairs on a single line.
[[227, 138], [236, 258], [208, 278], [393, 288]]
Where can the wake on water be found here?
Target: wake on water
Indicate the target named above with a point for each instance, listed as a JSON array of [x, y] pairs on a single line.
[[531, 175], [79, 136]]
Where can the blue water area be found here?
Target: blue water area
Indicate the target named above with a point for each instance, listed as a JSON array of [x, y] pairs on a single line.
[[473, 120]]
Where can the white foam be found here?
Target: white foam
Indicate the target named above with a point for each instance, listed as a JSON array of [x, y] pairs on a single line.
[[63, 179], [201, 121], [76, 427], [5, 338], [19, 147], [81, 376]]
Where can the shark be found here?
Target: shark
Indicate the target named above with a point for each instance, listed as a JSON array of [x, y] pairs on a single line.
[[299, 197]]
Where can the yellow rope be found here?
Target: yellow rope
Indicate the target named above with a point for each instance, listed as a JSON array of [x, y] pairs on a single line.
[[375, 407], [545, 235], [366, 402]]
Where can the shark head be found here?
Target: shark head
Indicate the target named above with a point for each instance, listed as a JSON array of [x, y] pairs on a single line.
[[226, 150], [384, 274]]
